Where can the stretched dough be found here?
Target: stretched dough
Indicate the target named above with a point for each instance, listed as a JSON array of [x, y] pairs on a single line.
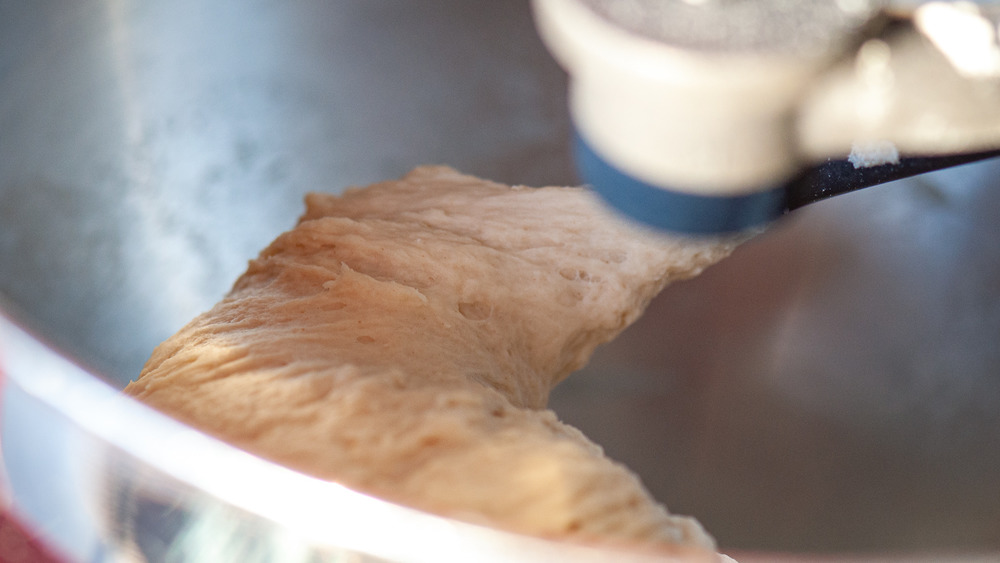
[[403, 339]]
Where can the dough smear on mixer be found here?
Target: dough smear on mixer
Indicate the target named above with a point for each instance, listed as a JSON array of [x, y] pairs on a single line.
[[402, 340]]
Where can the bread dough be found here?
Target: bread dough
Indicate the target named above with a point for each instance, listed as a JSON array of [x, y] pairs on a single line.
[[403, 339]]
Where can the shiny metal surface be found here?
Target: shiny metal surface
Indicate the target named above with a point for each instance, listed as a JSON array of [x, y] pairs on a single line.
[[833, 387]]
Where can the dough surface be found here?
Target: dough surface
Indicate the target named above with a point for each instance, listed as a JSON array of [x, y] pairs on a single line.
[[402, 340]]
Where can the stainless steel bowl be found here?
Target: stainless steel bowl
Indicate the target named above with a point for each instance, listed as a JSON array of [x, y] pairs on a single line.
[[831, 389]]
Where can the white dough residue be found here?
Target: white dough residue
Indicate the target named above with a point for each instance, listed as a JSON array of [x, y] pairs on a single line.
[[866, 154]]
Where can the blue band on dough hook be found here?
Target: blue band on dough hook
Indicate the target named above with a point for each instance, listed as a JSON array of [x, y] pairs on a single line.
[[664, 209]]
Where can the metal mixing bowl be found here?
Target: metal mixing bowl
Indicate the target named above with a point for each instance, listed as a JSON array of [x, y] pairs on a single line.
[[833, 388]]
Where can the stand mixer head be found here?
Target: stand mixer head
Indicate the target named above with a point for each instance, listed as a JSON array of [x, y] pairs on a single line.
[[704, 116]]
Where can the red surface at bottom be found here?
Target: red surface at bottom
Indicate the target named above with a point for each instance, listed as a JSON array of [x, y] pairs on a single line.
[[17, 545]]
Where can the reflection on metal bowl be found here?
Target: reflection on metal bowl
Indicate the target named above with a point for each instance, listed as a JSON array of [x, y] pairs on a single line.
[[831, 388]]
